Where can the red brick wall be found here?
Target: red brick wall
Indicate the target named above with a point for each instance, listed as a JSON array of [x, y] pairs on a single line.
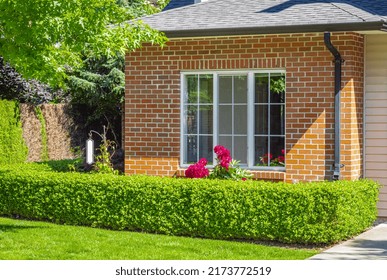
[[152, 106]]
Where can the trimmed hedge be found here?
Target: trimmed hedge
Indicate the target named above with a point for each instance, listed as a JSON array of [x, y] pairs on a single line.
[[323, 212]]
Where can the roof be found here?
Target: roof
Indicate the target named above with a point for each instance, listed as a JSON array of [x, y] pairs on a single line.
[[230, 17], [173, 4]]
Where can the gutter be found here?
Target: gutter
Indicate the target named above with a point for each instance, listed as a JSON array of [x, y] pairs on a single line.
[[285, 29], [338, 63]]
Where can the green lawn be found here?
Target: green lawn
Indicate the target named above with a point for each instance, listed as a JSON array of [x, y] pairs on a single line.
[[31, 240]]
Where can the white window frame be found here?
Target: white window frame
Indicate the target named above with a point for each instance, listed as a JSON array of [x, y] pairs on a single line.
[[250, 112]]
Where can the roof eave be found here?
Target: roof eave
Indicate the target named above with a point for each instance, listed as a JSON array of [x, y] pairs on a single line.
[[339, 27]]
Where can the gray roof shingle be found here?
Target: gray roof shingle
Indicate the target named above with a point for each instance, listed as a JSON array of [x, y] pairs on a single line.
[[230, 17]]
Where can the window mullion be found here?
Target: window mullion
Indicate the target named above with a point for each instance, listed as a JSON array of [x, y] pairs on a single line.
[[198, 122], [250, 119], [183, 125], [232, 115], [215, 116], [268, 122]]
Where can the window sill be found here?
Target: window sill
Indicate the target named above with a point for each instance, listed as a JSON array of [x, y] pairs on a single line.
[[269, 175]]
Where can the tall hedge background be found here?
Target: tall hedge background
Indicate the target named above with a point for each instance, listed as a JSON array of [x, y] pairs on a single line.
[[13, 148], [35, 133]]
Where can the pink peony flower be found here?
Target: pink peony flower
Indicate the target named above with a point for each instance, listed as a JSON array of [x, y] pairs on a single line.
[[197, 170], [225, 164], [224, 156], [203, 161]]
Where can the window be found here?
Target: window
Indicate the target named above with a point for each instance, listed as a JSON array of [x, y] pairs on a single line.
[[243, 111]]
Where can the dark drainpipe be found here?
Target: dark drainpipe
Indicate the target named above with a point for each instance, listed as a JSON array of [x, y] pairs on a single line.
[[338, 62]]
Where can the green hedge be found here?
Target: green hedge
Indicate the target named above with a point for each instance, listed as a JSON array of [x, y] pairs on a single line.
[[323, 212], [12, 146]]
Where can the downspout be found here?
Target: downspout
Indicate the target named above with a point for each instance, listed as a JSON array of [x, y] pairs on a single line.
[[338, 62]]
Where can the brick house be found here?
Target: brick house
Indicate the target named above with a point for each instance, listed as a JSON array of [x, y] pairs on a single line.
[[296, 89]]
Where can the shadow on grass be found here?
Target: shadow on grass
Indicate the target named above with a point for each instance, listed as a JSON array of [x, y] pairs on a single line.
[[14, 228]]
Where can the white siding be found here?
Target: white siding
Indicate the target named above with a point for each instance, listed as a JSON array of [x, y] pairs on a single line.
[[376, 114]]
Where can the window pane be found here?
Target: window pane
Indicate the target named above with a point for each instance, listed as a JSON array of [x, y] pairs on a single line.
[[191, 94], [261, 120], [226, 141], [205, 148], [191, 149], [277, 146], [206, 89], [240, 149], [225, 119], [205, 114], [277, 120], [191, 121], [240, 119], [225, 89], [261, 88], [261, 151], [277, 88], [240, 89]]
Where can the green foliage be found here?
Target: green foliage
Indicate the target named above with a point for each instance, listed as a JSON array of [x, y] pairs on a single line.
[[277, 84], [106, 150], [98, 88], [322, 212], [139, 8], [64, 165], [43, 133], [44, 39], [233, 172], [12, 146], [103, 160]]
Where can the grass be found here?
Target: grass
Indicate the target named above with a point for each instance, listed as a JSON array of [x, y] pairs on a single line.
[[31, 240]]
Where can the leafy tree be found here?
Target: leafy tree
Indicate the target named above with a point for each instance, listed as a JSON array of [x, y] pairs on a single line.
[[14, 87], [43, 39], [97, 88]]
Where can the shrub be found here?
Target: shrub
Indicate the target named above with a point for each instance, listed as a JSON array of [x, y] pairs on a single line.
[[197, 170], [12, 146], [323, 212], [226, 167]]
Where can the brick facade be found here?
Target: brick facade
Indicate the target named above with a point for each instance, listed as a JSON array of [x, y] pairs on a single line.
[[152, 99]]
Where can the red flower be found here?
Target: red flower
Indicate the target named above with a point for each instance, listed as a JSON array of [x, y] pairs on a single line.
[[266, 158], [224, 164], [221, 151], [197, 170], [203, 161], [281, 159], [223, 154]]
